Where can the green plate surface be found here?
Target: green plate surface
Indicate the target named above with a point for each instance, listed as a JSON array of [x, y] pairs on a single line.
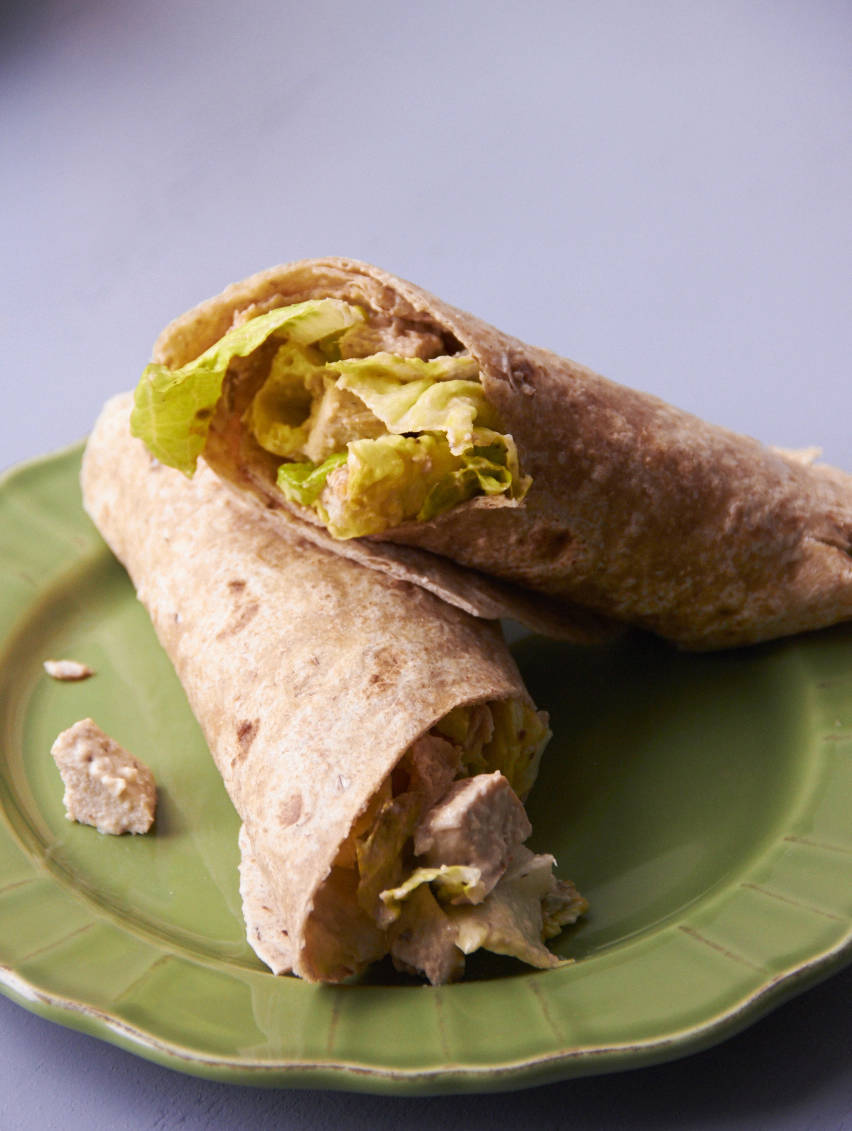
[[701, 803]]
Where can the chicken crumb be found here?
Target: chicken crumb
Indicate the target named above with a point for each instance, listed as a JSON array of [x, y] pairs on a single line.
[[67, 669], [105, 786]]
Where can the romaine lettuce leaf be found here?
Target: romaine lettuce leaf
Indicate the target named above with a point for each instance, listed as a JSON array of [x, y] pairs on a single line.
[[416, 436], [384, 366], [527, 906], [410, 395], [380, 853], [304, 482], [453, 883], [279, 414], [173, 407], [520, 735], [481, 471], [392, 479], [512, 744], [303, 412], [510, 921]]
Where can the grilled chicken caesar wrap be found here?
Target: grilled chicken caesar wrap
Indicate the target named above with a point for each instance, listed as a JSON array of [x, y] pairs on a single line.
[[376, 741], [416, 438]]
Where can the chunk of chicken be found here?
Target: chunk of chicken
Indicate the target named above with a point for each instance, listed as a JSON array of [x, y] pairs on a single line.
[[105, 786], [479, 822]]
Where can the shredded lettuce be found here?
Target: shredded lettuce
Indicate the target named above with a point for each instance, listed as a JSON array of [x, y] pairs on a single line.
[[510, 921], [279, 415], [380, 853], [304, 482], [417, 436], [393, 478], [453, 883], [528, 906], [302, 412], [436, 913], [520, 735], [173, 407], [410, 395], [513, 743], [383, 367]]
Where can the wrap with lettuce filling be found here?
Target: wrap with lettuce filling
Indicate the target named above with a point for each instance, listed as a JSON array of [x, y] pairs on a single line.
[[416, 438], [376, 741]]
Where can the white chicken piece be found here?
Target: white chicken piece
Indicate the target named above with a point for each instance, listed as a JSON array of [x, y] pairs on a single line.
[[479, 822], [105, 786]]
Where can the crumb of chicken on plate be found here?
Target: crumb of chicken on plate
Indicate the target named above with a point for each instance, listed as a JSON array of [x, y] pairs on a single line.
[[105, 786], [67, 670]]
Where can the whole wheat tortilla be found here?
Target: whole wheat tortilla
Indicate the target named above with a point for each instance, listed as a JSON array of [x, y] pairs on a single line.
[[638, 512], [309, 675]]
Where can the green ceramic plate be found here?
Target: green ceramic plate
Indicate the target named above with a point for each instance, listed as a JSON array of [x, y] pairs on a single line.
[[700, 802]]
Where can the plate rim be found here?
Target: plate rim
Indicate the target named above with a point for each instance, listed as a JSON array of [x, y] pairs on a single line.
[[342, 1075]]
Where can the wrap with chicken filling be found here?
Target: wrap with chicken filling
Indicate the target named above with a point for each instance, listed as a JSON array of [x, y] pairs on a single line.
[[375, 741], [416, 438]]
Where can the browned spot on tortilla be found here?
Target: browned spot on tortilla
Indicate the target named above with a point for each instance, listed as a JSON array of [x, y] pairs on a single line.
[[384, 663], [545, 543], [237, 585], [556, 545], [246, 733], [290, 809]]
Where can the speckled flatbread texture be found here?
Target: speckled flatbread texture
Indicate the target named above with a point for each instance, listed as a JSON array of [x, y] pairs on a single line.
[[310, 675], [638, 511]]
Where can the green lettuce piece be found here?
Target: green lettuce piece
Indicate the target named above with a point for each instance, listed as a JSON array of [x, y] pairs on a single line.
[[417, 436], [397, 477], [304, 482], [482, 471], [513, 744], [309, 406], [456, 726], [453, 883], [520, 736], [302, 412], [511, 920], [279, 414], [173, 407], [412, 395], [402, 370], [392, 479], [380, 853], [528, 906]]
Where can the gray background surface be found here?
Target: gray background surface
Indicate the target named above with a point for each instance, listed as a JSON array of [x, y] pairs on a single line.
[[660, 190]]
